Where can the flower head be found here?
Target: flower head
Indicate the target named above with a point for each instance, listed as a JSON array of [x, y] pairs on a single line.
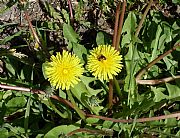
[[64, 70], [104, 62]]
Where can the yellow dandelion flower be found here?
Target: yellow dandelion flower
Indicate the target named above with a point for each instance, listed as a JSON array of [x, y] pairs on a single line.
[[64, 70], [104, 62]]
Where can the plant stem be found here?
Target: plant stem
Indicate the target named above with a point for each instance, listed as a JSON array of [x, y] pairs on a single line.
[[71, 12], [118, 90], [95, 132], [143, 18], [173, 115], [56, 110], [116, 24], [110, 98], [120, 26], [35, 35], [116, 40], [148, 119], [79, 111], [158, 81]]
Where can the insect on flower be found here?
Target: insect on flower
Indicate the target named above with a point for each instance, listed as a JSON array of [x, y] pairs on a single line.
[[104, 62]]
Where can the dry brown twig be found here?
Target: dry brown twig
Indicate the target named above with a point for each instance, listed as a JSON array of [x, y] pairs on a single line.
[[116, 39], [95, 132], [66, 102], [35, 34]]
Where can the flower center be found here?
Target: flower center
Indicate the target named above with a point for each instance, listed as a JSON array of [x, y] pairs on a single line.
[[65, 71]]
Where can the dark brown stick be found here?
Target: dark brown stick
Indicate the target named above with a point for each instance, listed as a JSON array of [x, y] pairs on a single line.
[[116, 25], [121, 20], [110, 98], [71, 12], [95, 132], [35, 34], [3, 86], [158, 81], [173, 115], [143, 18]]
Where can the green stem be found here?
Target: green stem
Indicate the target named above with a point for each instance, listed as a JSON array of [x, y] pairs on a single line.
[[81, 114], [110, 98], [118, 90], [65, 115]]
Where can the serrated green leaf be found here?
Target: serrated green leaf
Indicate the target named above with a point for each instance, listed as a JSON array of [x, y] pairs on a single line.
[[79, 89], [129, 28]]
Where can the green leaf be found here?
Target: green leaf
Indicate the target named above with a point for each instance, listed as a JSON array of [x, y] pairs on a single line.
[[129, 28], [87, 81], [100, 38], [44, 65], [81, 92], [79, 89], [70, 34], [131, 59], [60, 130], [170, 63], [14, 131], [176, 1], [174, 90], [4, 133], [111, 125], [158, 92], [27, 113], [103, 38], [6, 39], [66, 16], [15, 104], [1, 95], [52, 12], [91, 120], [8, 6], [155, 44], [26, 73], [170, 121], [79, 50]]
